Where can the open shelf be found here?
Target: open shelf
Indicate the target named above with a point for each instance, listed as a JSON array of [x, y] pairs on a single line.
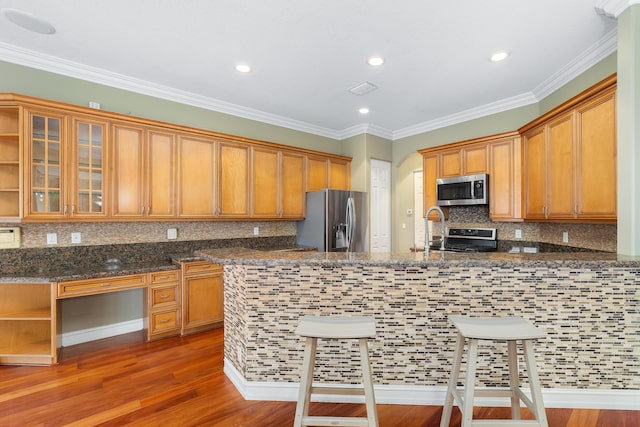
[[9, 162]]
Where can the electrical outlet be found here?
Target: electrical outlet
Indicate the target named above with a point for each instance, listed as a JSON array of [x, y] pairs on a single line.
[[518, 234], [565, 237], [172, 233], [52, 238], [76, 237], [256, 231]]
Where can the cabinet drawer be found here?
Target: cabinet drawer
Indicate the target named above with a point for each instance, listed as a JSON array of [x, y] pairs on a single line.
[[98, 286], [164, 277], [163, 296], [164, 321], [199, 267]]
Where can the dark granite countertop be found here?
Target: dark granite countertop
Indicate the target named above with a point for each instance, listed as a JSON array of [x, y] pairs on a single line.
[[232, 256]]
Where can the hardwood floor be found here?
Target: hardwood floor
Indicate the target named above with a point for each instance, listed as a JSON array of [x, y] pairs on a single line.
[[179, 382]]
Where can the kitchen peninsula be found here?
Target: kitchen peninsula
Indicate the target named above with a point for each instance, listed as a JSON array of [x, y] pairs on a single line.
[[586, 302]]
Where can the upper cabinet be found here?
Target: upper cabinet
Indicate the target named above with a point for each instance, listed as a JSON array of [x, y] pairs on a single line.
[[324, 172], [60, 162], [10, 164], [278, 183], [465, 160], [569, 162], [46, 163]]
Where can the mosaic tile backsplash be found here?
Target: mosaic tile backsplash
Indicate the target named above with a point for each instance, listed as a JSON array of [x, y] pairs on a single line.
[[590, 316]]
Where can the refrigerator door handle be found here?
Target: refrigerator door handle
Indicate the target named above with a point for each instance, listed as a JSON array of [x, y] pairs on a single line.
[[351, 222]]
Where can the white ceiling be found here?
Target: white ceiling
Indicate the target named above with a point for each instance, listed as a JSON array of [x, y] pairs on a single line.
[[306, 54]]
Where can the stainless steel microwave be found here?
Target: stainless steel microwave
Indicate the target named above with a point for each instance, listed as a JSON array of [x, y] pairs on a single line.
[[463, 190]]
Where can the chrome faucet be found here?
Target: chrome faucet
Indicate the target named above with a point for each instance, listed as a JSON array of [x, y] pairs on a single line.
[[426, 228]]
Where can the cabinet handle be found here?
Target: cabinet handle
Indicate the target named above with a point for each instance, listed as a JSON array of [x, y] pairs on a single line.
[[64, 210], [105, 285], [164, 321], [148, 209], [73, 209], [142, 210], [164, 296]]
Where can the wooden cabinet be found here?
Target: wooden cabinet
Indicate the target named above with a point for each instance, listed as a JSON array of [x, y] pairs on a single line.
[[339, 174], [328, 172], [46, 167], [76, 288], [202, 296], [233, 179], [143, 182], [596, 158], [570, 163], [196, 177], [10, 165], [278, 179], [429, 177], [27, 323], [88, 167], [162, 313], [505, 183], [463, 160]]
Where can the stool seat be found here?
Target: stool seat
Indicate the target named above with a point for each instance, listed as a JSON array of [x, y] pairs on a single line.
[[512, 330], [496, 328], [337, 327]]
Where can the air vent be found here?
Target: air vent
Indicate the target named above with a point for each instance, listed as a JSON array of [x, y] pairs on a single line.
[[363, 88]]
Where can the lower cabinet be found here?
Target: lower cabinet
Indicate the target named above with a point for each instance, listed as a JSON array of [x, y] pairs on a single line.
[[162, 311], [202, 296], [27, 324]]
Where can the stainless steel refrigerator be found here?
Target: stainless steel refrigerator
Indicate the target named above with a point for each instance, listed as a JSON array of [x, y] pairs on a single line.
[[336, 221]]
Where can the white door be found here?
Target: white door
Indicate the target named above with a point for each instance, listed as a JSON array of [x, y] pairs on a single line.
[[380, 206]]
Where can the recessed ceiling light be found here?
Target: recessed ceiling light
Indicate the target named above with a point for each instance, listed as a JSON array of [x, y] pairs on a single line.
[[375, 61], [364, 110], [242, 68], [28, 22], [499, 56]]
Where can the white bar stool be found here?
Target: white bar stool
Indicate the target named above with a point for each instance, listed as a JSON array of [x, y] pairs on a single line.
[[510, 329], [335, 327]]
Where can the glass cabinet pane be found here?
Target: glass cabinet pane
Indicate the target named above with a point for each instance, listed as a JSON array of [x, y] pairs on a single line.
[[46, 164], [89, 174]]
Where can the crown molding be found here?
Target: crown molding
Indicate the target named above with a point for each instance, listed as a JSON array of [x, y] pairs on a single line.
[[365, 128], [77, 70], [587, 59], [613, 8], [466, 115]]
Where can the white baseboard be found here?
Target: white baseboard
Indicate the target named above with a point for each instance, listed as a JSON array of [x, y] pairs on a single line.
[[92, 334], [434, 395]]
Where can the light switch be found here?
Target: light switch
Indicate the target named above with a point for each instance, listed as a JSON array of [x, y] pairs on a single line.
[[172, 233], [518, 234], [52, 238], [256, 231]]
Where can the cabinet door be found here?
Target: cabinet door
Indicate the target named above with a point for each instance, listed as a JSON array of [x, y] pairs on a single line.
[[504, 180], [89, 198], [266, 181], [450, 163], [535, 173], [196, 177], [429, 176], [560, 165], [596, 173], [203, 302], [233, 179], [293, 178], [475, 159], [339, 174], [45, 171], [317, 173], [127, 171], [160, 174]]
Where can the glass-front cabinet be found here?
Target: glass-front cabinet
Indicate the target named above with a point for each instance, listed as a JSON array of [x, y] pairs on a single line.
[[45, 152], [88, 162], [66, 166]]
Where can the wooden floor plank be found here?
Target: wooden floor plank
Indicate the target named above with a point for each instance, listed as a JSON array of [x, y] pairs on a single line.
[[125, 381]]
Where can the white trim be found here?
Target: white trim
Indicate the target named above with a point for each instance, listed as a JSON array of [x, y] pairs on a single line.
[[434, 395], [97, 333], [613, 8]]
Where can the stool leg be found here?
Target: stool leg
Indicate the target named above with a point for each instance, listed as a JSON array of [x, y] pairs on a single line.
[[367, 382], [514, 380], [306, 381], [453, 382], [470, 384], [534, 383]]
